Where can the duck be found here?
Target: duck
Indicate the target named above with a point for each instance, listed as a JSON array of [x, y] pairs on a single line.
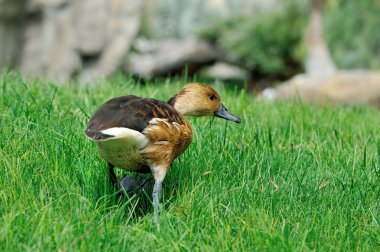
[[145, 135]]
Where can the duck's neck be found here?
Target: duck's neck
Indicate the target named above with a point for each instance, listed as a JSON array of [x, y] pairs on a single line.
[[177, 103]]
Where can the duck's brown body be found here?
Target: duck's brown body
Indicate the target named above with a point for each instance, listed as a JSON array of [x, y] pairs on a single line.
[[134, 134], [145, 135]]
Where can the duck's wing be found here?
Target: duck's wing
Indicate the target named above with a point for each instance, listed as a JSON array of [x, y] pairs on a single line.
[[120, 115]]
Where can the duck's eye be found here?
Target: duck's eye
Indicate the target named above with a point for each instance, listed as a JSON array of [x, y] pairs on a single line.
[[212, 97]]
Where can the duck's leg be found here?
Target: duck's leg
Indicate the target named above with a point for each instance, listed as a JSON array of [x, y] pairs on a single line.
[[159, 175], [157, 193], [111, 174]]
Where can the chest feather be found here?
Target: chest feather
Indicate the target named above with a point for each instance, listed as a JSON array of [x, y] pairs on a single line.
[[167, 140]]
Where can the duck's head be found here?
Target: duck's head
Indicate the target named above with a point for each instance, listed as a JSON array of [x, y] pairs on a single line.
[[196, 99]]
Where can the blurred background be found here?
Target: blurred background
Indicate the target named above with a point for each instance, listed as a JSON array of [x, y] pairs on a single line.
[[321, 51]]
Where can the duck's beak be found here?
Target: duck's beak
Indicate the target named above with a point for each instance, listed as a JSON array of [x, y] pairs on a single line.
[[223, 113]]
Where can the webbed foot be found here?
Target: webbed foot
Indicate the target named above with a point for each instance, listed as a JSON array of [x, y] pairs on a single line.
[[129, 185]]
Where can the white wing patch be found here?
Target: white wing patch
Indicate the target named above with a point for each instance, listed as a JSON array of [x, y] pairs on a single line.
[[126, 134]]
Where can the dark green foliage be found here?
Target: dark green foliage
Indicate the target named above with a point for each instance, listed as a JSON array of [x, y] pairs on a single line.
[[271, 44], [353, 32], [268, 44]]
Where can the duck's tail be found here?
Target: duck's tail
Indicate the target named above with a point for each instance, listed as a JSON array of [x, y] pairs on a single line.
[[97, 135]]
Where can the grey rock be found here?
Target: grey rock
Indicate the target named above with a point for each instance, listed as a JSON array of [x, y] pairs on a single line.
[[121, 29], [319, 62], [164, 56], [91, 24], [49, 46], [356, 87], [225, 71], [57, 39]]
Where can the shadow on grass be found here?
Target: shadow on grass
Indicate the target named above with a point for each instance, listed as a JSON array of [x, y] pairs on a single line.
[[138, 204]]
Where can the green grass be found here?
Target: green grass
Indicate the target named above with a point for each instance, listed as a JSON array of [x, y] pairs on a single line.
[[290, 177]]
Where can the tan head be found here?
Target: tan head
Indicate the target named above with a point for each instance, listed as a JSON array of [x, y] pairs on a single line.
[[196, 99]]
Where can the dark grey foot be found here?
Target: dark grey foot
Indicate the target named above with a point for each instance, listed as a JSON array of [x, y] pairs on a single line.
[[129, 185]]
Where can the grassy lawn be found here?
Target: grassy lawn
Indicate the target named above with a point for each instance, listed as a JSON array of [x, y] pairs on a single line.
[[290, 177]]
